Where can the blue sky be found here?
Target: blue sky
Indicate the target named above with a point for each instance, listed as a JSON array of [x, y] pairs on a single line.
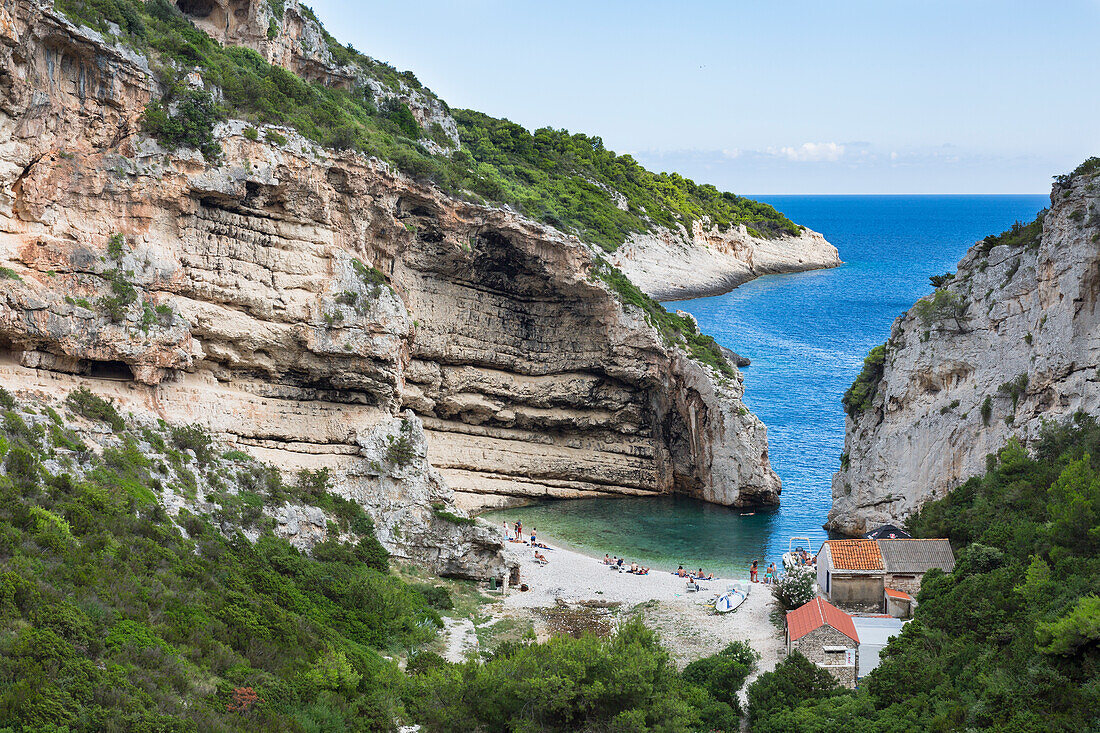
[[761, 97]]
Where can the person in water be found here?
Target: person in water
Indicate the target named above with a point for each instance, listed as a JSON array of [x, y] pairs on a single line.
[[754, 571]]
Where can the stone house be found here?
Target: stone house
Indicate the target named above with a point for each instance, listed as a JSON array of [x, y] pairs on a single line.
[[856, 573], [826, 636]]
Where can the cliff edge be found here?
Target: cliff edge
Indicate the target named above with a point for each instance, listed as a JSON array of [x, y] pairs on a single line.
[[1008, 343]]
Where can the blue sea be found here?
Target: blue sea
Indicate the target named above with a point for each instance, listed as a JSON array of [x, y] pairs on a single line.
[[806, 335]]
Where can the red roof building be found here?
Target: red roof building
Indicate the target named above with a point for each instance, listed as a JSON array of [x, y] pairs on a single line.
[[814, 615]]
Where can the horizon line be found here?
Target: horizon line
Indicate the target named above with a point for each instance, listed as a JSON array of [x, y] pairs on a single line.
[[1022, 193]]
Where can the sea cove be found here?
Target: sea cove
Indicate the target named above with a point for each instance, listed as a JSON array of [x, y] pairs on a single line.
[[806, 334]]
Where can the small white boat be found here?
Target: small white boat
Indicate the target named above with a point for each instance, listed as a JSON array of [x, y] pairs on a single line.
[[790, 557], [732, 598]]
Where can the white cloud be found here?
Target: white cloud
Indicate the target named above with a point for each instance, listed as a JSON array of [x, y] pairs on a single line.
[[813, 152]]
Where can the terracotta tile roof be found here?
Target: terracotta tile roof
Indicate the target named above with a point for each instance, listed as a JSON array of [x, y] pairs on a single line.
[[818, 613], [855, 554], [899, 594], [916, 556]]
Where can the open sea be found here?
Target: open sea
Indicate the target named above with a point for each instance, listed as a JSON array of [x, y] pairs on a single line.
[[806, 335]]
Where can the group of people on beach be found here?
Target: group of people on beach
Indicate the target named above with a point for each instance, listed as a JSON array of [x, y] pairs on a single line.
[[680, 572], [771, 575], [617, 563], [515, 534]]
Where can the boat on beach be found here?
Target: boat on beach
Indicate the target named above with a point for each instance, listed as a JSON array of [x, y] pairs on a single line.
[[735, 595]]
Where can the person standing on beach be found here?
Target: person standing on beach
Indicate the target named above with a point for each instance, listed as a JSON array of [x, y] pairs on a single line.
[[519, 531], [753, 570], [533, 532]]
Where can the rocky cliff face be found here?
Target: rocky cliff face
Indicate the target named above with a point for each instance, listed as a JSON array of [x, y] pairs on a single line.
[[1012, 341], [679, 265], [305, 305]]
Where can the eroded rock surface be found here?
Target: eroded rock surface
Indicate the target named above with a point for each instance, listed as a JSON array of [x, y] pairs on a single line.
[[1025, 351], [297, 302], [678, 265]]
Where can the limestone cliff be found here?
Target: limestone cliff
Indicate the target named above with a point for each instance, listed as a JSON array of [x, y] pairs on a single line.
[[1010, 342], [676, 265], [297, 301]]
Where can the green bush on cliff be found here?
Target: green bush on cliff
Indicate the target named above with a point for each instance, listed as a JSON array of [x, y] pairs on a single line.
[[857, 398], [1010, 640], [674, 329]]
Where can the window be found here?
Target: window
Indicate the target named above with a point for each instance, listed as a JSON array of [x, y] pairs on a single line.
[[835, 656]]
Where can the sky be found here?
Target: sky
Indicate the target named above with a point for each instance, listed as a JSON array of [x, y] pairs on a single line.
[[890, 96]]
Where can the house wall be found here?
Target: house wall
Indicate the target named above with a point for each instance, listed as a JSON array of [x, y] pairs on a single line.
[[824, 566], [898, 608], [908, 582], [812, 646], [860, 592]]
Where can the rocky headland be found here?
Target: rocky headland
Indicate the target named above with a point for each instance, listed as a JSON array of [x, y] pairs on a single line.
[[1007, 344], [680, 265]]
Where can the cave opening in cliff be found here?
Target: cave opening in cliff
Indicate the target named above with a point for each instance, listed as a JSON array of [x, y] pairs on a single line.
[[117, 370], [196, 8]]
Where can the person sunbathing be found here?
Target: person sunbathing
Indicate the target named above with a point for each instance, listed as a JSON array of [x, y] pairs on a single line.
[[606, 559], [540, 557], [643, 571], [681, 572], [633, 567], [704, 576]]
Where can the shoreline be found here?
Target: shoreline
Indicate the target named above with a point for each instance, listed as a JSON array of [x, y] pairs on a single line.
[[688, 628], [670, 266]]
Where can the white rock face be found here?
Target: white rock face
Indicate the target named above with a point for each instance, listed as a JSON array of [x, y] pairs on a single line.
[[1028, 350], [670, 265]]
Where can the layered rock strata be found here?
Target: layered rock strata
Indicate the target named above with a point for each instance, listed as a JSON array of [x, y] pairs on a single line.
[[678, 265], [1023, 351], [298, 302]]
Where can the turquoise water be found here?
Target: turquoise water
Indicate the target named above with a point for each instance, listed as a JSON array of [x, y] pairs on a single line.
[[807, 335]]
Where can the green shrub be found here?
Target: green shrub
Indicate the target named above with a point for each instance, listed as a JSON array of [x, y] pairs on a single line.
[[185, 118], [83, 402], [436, 596], [6, 273], [193, 438], [440, 511], [274, 137], [859, 396]]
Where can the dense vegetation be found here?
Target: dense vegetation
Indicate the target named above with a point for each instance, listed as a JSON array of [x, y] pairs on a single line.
[[569, 181], [116, 616], [625, 683], [857, 398], [1010, 640]]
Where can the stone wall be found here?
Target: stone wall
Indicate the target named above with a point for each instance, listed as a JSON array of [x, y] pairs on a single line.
[[812, 646]]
